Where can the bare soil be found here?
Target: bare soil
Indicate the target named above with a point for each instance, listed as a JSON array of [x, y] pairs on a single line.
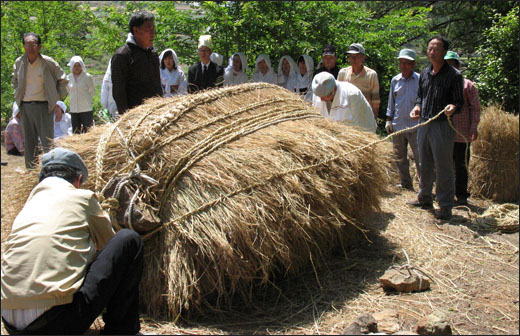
[[475, 276]]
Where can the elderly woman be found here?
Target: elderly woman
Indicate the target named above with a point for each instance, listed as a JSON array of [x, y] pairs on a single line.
[[81, 91], [301, 82], [235, 72], [173, 79], [263, 71], [13, 134], [286, 69]]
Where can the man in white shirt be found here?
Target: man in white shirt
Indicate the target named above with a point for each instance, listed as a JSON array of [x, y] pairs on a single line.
[[342, 101]]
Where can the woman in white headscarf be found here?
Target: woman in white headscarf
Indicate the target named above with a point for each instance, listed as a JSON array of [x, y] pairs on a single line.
[[62, 122], [263, 71], [107, 100], [301, 82], [81, 91], [286, 69], [235, 72], [173, 79]]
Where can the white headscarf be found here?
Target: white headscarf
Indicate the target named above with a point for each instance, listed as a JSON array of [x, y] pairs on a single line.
[[175, 59], [292, 71], [108, 73], [267, 60], [243, 60], [74, 60], [309, 63], [62, 105]]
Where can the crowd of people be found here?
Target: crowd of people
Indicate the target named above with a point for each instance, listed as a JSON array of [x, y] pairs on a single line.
[[63, 263]]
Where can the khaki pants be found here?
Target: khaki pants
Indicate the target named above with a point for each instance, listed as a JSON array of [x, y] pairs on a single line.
[[37, 122]]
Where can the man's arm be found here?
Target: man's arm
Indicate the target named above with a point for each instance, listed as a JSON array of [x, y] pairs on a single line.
[[374, 94], [119, 68], [61, 78], [100, 227]]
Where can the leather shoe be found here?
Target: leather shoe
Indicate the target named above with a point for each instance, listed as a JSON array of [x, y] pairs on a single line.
[[417, 203], [405, 186], [443, 213], [461, 201]]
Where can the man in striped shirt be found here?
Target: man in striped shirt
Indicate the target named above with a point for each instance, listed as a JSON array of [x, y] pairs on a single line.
[[440, 88]]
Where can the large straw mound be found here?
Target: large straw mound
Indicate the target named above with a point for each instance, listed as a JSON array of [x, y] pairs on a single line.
[[253, 184], [493, 168]]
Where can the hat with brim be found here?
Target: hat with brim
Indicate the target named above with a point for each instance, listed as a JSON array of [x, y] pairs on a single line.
[[323, 84], [452, 55], [329, 50], [62, 106], [408, 54], [356, 48], [66, 157], [205, 41]]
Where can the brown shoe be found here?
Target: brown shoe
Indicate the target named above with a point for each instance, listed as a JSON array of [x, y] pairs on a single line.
[[443, 213], [423, 205]]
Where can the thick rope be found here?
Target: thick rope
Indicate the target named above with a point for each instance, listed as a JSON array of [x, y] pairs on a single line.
[[220, 199]]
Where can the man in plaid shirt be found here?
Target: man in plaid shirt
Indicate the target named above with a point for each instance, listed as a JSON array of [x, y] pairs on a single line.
[[13, 135], [466, 123]]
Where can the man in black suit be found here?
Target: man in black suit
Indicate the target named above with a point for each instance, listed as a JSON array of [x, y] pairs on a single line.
[[204, 74]]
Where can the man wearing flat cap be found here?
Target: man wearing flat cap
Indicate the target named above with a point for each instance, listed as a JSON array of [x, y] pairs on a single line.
[[328, 61], [342, 101], [206, 73], [63, 264], [361, 76], [401, 100]]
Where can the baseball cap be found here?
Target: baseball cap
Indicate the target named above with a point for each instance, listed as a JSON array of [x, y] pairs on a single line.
[[356, 48], [205, 41], [329, 49], [452, 55], [409, 54], [64, 156], [323, 84]]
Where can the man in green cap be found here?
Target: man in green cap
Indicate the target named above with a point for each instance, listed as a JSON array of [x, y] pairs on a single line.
[[466, 123]]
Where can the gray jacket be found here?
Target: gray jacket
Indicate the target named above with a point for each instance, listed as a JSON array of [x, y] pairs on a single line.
[[55, 80]]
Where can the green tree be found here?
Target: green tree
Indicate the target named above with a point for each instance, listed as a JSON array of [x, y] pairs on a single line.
[[64, 27], [495, 67]]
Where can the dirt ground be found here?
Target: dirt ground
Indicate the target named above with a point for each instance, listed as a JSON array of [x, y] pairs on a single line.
[[475, 276]]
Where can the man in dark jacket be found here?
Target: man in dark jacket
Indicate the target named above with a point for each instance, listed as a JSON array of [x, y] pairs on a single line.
[[204, 74], [328, 61], [135, 66]]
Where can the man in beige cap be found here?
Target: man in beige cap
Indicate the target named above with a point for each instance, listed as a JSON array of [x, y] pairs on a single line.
[[204, 74], [342, 101], [361, 76]]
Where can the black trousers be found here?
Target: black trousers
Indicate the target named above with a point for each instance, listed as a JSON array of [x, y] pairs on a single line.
[[461, 169], [111, 281], [81, 121]]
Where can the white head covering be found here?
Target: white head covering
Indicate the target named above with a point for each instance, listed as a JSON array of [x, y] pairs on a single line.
[[216, 58], [243, 59], [16, 110], [74, 60], [205, 41], [62, 105], [175, 59], [108, 73], [292, 64], [267, 60], [309, 63], [323, 84]]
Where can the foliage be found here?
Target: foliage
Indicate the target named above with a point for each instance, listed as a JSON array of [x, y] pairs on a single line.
[[274, 27], [62, 28], [495, 69]]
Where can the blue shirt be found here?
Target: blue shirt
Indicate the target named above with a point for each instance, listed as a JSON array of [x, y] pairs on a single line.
[[403, 94]]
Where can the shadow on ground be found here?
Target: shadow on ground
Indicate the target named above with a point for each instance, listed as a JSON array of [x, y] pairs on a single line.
[[297, 302]]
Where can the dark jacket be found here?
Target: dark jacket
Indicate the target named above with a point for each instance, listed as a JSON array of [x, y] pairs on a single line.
[[197, 81], [334, 71], [135, 76]]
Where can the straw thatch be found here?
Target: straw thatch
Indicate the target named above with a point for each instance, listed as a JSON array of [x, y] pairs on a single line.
[[253, 184], [493, 168]]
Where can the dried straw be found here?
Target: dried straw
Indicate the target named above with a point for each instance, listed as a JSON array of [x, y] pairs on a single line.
[[253, 185], [493, 168]]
